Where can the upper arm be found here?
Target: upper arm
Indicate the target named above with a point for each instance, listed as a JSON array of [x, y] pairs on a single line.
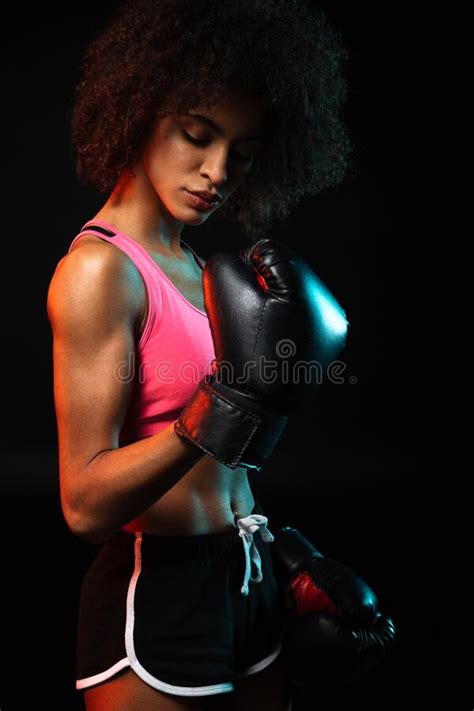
[[92, 308]]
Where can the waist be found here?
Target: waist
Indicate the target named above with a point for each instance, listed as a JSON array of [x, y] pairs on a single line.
[[221, 544], [196, 507]]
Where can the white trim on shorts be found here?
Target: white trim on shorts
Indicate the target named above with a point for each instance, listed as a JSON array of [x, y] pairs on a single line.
[[132, 661]]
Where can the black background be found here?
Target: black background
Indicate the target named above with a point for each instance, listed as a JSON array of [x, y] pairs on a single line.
[[364, 474]]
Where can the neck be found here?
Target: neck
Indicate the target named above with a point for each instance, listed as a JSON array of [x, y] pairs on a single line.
[[135, 209]]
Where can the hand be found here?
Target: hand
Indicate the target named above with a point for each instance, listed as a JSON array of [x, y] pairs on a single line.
[[336, 632], [260, 303], [315, 583]]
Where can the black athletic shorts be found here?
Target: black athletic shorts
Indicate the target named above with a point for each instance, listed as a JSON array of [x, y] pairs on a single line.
[[189, 614]]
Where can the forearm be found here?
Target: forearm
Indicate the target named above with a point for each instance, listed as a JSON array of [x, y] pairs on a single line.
[[119, 484]]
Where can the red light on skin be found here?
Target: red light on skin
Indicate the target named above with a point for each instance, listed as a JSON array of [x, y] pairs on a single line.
[[262, 282]]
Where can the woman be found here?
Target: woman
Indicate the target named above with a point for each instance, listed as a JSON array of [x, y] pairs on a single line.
[[238, 101]]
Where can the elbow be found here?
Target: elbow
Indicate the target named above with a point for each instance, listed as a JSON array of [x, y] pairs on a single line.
[[82, 527], [81, 521]]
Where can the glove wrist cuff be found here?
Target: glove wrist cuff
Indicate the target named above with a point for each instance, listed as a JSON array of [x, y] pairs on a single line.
[[230, 426], [293, 553]]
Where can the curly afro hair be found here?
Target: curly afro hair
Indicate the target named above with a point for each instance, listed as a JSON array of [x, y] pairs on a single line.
[[156, 57]]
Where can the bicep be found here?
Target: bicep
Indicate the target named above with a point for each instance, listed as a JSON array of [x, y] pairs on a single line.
[[91, 395], [92, 317]]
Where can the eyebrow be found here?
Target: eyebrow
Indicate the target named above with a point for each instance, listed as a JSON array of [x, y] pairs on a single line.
[[208, 122]]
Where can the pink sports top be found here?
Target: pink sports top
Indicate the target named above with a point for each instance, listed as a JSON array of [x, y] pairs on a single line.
[[175, 350]]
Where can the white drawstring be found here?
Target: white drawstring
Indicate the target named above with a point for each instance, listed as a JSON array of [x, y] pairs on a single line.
[[247, 527]]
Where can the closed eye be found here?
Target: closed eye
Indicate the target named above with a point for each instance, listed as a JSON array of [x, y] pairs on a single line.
[[196, 141], [205, 142]]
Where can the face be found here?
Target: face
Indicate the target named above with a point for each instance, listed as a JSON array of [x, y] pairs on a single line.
[[204, 150]]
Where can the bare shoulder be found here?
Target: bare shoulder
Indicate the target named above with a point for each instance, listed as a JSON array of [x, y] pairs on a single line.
[[94, 276]]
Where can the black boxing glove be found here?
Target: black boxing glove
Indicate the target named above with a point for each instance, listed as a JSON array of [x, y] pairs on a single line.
[[267, 312], [335, 632]]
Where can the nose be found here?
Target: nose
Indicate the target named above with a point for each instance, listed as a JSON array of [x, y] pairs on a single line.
[[214, 166]]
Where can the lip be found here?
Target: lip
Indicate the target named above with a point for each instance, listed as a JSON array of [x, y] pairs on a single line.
[[197, 200]]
